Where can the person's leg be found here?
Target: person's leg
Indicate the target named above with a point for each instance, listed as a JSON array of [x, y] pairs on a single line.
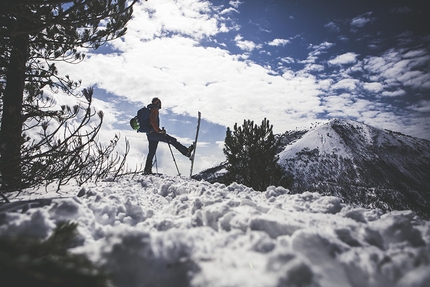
[[174, 142], [151, 153], [170, 140]]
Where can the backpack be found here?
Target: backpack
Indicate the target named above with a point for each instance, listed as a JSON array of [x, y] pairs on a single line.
[[134, 123], [141, 121]]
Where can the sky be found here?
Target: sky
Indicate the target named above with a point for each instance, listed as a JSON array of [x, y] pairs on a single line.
[[169, 231], [292, 62]]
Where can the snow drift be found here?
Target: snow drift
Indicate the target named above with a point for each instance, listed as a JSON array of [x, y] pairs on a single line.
[[171, 231]]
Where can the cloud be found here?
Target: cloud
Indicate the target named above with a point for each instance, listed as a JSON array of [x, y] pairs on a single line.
[[398, 67], [278, 42], [345, 84], [316, 51], [229, 11], [235, 3], [362, 20], [373, 87], [314, 67], [421, 55], [176, 69], [343, 38], [343, 105], [196, 19], [288, 60], [322, 47], [347, 58], [246, 45], [332, 26], [396, 93], [422, 106], [415, 79]]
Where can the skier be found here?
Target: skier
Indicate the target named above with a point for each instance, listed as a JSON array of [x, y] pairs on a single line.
[[156, 135]]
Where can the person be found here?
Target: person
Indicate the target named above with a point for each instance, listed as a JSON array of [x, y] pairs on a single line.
[[155, 135]]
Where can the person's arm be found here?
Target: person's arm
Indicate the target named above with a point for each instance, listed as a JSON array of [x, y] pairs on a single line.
[[153, 119]]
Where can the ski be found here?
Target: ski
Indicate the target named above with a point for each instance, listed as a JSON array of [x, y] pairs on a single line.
[[195, 145]]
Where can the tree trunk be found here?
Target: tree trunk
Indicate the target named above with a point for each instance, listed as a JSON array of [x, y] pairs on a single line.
[[11, 123]]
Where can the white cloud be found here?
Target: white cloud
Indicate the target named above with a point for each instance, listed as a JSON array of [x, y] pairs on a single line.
[[332, 26], [373, 87], [362, 20], [235, 3], [278, 42], [229, 11], [346, 84], [316, 51], [401, 68], [343, 38], [288, 60], [347, 58], [396, 93], [415, 79], [192, 18], [246, 45], [321, 47], [314, 67], [420, 54], [423, 106]]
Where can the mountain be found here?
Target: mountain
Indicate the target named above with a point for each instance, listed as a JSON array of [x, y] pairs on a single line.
[[363, 165]]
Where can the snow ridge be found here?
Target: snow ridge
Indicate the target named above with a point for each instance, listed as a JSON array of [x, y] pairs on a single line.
[[323, 139], [171, 231]]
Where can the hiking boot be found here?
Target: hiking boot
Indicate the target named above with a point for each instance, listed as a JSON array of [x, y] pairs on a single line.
[[190, 150]]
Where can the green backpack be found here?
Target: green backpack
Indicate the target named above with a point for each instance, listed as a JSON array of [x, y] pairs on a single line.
[[134, 123]]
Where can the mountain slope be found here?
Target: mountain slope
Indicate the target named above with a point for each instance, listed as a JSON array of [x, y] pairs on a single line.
[[361, 164]]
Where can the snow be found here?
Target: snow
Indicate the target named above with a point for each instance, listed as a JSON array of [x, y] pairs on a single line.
[[173, 231], [322, 138]]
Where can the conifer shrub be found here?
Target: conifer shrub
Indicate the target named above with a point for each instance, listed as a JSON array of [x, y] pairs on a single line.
[[252, 156], [30, 262]]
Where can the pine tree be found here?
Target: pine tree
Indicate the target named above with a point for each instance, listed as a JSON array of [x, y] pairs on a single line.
[[33, 36], [252, 160]]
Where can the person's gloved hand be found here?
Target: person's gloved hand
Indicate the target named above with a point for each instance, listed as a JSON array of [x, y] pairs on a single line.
[[163, 131]]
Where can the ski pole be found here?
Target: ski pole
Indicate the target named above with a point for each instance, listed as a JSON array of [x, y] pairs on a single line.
[[174, 160]]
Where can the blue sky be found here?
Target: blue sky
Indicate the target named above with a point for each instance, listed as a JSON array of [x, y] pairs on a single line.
[[293, 62]]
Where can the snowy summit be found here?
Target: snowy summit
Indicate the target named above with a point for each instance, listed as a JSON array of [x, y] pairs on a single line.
[[172, 231]]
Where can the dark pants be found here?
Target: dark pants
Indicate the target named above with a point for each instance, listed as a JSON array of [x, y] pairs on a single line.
[[153, 139]]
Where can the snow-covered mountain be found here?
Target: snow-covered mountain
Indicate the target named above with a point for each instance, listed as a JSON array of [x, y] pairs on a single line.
[[363, 165]]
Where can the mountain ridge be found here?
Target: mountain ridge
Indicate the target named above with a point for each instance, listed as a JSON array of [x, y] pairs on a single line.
[[364, 165]]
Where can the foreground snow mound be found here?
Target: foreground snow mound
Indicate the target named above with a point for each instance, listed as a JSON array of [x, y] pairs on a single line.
[[169, 231]]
